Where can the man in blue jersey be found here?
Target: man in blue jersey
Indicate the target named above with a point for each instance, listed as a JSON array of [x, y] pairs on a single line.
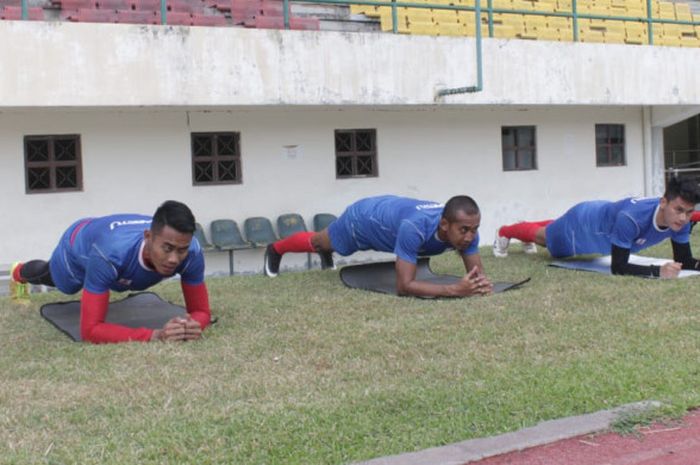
[[406, 227], [127, 252], [616, 228]]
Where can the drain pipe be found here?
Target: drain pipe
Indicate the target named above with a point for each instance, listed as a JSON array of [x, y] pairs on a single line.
[[479, 67]]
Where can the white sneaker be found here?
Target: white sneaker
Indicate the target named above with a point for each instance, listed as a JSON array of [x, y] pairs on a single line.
[[529, 248], [500, 246]]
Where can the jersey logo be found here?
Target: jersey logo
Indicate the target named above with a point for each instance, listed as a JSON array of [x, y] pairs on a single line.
[[428, 206], [640, 241], [114, 224], [124, 282]]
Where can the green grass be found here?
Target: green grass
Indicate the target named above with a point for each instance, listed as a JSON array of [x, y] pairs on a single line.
[[301, 370]]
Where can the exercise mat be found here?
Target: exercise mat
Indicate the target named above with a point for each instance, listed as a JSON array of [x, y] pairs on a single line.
[[381, 277], [138, 310], [602, 264]]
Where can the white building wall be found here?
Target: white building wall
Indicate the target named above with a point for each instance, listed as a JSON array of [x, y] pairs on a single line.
[[133, 160], [63, 64]]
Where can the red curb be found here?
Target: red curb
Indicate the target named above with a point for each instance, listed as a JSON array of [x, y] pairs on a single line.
[[660, 444]]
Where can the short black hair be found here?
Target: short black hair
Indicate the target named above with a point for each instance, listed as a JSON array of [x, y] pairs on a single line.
[[175, 214], [459, 203], [685, 188]]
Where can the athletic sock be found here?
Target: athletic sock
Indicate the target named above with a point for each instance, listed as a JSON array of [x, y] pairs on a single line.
[[16, 274], [524, 231], [299, 242]]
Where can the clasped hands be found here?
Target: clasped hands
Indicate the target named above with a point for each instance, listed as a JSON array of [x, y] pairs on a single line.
[[473, 283], [180, 328]]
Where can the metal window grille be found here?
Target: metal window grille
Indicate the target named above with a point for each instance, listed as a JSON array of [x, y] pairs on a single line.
[[610, 144], [355, 153], [216, 158], [519, 148], [52, 163]]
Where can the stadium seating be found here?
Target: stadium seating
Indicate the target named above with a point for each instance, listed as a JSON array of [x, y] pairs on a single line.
[[269, 14], [544, 27]]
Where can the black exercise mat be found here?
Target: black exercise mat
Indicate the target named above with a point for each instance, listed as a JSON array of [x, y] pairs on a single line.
[[381, 277], [139, 310]]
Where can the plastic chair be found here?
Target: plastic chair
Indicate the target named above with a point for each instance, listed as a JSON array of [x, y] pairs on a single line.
[[323, 220], [292, 223], [259, 232], [202, 238], [226, 236]]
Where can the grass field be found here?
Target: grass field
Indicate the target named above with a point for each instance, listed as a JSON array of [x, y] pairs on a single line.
[[301, 370]]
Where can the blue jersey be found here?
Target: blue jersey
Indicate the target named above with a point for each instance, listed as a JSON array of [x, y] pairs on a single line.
[[594, 227], [105, 253], [406, 227]]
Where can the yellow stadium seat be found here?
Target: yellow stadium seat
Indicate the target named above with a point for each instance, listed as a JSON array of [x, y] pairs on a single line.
[[501, 4], [422, 28], [563, 6], [444, 16], [591, 35], [451, 29], [559, 22], [535, 22], [545, 5], [665, 10], [683, 12], [690, 42], [614, 38], [467, 17], [548, 34], [503, 31], [522, 5], [635, 12], [635, 33], [421, 15], [471, 30]]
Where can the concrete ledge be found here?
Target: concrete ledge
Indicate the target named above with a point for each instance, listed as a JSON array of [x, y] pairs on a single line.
[[544, 433]]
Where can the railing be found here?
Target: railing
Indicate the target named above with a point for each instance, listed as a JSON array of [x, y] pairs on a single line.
[[686, 162]]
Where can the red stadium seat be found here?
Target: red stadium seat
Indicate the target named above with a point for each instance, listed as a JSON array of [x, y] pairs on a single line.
[[208, 20], [137, 17], [15, 12], [74, 4], [113, 4], [90, 15], [176, 19]]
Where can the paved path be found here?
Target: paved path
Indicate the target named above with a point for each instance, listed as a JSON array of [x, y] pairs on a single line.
[[660, 444], [579, 440]]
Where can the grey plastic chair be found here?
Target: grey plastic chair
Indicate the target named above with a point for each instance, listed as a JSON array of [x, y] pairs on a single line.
[[323, 220], [226, 236], [290, 223], [259, 232], [202, 238]]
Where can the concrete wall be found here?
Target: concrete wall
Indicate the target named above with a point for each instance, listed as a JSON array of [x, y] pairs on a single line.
[[63, 64], [133, 160]]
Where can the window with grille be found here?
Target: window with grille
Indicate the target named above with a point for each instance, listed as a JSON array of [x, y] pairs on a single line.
[[355, 153], [610, 144], [519, 148], [52, 164], [216, 158]]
